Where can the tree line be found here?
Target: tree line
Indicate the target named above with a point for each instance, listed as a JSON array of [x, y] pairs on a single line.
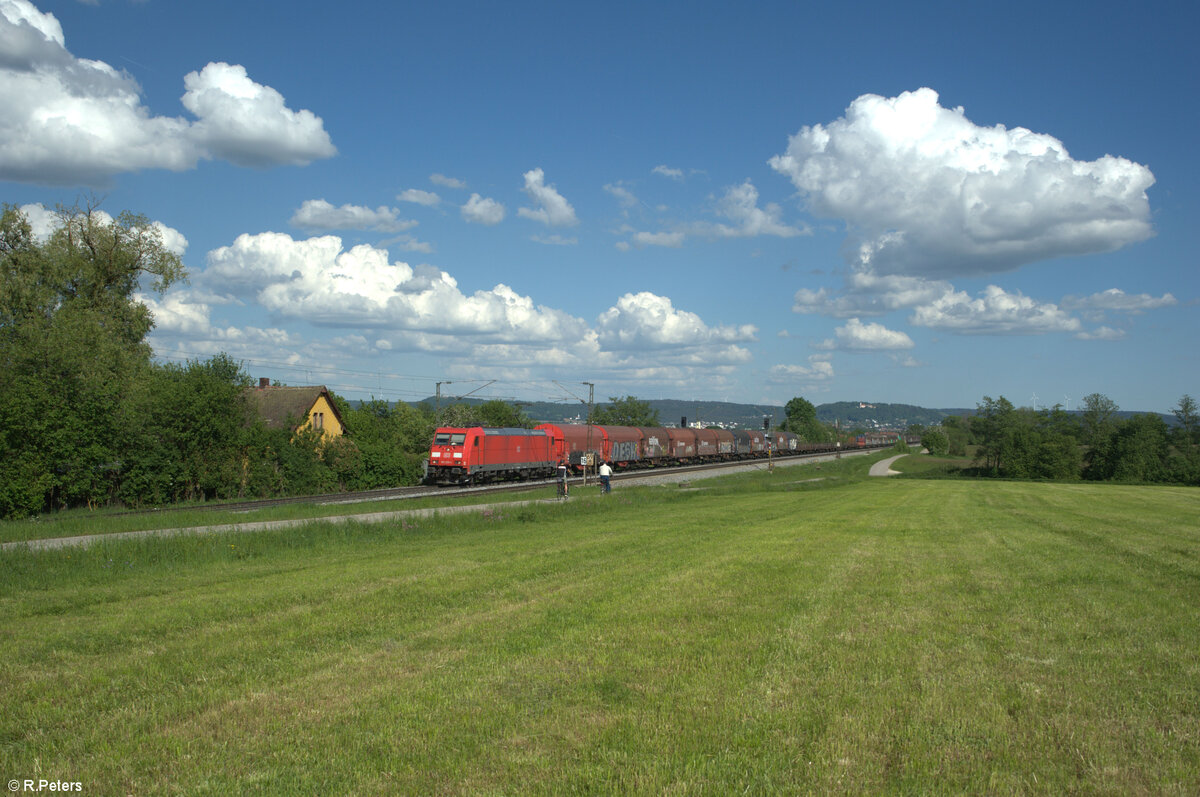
[[1094, 444], [89, 419]]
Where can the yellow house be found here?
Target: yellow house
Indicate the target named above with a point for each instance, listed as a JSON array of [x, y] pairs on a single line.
[[308, 407]]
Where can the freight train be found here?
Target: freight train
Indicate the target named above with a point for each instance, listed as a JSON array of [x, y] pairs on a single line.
[[478, 454]]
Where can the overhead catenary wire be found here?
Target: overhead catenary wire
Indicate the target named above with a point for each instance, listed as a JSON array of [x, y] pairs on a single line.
[[361, 384]]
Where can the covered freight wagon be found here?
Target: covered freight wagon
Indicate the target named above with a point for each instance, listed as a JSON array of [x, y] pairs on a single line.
[[575, 442], [623, 445]]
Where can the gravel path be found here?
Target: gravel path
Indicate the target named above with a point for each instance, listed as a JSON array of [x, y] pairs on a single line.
[[884, 466]]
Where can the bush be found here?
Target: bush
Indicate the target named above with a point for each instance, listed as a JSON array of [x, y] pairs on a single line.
[[936, 441]]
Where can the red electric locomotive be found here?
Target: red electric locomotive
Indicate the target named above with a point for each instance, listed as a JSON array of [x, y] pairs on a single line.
[[477, 454]]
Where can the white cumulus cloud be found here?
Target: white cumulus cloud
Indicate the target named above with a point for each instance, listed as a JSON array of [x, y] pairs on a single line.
[[647, 321], [250, 124], [624, 196], [1101, 333], [993, 312], [552, 208], [447, 182], [419, 197], [740, 205], [482, 210], [317, 214], [926, 192], [67, 120], [819, 369], [1116, 300], [318, 281], [669, 239], [857, 336], [870, 294]]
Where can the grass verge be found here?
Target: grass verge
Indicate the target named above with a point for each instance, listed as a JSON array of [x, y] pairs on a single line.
[[77, 522]]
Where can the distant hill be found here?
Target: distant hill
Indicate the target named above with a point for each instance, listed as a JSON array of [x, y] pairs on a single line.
[[749, 416], [849, 414], [860, 413]]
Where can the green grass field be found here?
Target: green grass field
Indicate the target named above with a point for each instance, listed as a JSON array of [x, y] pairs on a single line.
[[763, 634]]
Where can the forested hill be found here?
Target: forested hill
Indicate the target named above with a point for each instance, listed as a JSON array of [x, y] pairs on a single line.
[[849, 414], [671, 411], [858, 413]]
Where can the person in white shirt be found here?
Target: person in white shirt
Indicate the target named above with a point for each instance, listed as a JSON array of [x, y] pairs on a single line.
[[606, 477]]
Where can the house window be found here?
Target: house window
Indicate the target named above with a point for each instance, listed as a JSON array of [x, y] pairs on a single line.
[[318, 420]]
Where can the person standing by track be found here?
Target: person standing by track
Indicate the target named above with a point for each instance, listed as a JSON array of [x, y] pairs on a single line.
[[562, 479], [606, 477]]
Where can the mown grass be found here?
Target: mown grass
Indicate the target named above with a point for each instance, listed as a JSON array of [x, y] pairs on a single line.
[[761, 635]]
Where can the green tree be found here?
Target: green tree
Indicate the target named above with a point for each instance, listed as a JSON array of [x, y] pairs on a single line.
[[503, 414], [957, 433], [993, 426], [187, 443], [936, 441], [1039, 446], [627, 411], [1135, 450], [1188, 417], [1024, 443], [393, 442], [72, 346], [801, 419], [1099, 418], [1187, 440], [459, 416]]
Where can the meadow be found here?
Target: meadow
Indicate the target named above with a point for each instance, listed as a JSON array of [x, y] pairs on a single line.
[[760, 633]]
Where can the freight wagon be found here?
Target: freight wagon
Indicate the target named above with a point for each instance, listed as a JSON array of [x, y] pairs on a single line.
[[478, 454]]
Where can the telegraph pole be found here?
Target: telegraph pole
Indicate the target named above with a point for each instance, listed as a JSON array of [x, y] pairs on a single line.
[[437, 405], [770, 443], [591, 400]]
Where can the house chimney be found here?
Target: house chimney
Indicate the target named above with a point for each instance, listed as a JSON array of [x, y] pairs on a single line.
[[264, 381]]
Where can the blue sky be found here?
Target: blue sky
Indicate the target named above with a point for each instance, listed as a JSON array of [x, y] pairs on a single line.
[[919, 203]]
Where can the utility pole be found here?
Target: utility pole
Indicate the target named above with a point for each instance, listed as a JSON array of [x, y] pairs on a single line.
[[770, 443], [591, 400], [437, 405]]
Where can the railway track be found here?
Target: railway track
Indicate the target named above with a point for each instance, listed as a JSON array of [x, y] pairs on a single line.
[[647, 475], [408, 493]]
